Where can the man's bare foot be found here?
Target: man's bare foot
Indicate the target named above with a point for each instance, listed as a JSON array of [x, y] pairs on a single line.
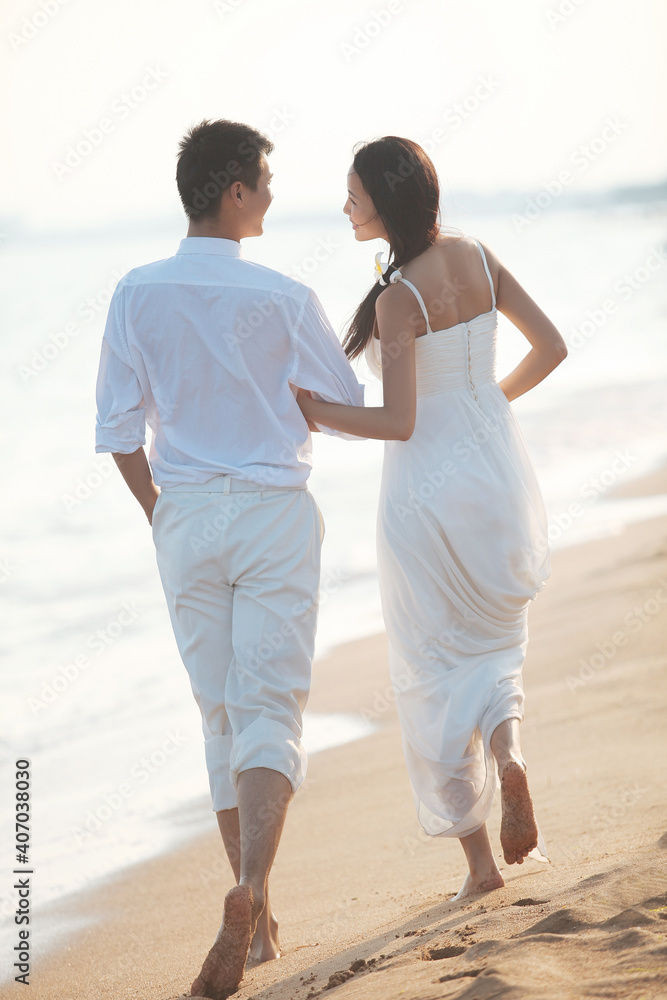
[[265, 945], [223, 968], [480, 883], [518, 829]]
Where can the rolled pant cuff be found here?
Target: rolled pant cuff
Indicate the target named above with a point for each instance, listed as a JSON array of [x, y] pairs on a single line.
[[270, 744], [218, 751]]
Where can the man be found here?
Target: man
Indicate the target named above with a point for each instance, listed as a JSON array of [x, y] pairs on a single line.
[[209, 350]]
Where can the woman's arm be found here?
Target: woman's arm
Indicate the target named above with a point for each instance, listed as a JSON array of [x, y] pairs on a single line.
[[548, 348], [395, 419]]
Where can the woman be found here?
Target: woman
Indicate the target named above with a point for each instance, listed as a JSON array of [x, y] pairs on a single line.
[[462, 544]]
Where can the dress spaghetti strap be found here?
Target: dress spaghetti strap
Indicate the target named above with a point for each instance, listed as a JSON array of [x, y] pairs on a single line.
[[419, 300], [488, 274]]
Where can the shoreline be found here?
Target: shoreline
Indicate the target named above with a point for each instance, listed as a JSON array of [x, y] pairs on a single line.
[[592, 725], [652, 483]]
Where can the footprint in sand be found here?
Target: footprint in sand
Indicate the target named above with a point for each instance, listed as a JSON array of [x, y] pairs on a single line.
[[572, 921], [466, 974], [435, 954], [657, 905], [561, 922], [631, 917]]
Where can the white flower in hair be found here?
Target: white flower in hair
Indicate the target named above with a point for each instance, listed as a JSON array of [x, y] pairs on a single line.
[[388, 276]]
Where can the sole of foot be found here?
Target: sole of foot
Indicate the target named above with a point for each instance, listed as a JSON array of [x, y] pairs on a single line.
[[223, 968], [518, 829]]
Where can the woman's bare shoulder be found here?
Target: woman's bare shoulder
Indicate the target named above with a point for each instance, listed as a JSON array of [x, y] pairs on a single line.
[[454, 239], [494, 263], [396, 297], [464, 243], [447, 248]]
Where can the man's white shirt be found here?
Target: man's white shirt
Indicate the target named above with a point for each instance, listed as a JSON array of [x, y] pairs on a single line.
[[208, 349]]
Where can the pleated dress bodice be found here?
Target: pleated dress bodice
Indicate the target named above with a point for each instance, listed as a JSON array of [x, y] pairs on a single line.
[[459, 358]]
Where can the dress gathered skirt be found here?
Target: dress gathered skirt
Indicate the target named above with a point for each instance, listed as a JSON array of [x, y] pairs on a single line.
[[462, 549]]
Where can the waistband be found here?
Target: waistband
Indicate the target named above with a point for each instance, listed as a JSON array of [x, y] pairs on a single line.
[[228, 484]]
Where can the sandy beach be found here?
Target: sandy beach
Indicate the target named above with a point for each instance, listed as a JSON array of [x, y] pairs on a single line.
[[364, 899]]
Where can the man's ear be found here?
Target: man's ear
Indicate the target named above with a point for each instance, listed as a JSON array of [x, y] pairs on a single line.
[[235, 192]]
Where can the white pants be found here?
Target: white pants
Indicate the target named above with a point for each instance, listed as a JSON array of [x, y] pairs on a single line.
[[240, 568]]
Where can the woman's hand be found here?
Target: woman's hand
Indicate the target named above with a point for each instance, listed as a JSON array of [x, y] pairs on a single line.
[[304, 398], [395, 419]]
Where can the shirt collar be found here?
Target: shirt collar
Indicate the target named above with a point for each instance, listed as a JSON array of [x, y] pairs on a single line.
[[209, 244]]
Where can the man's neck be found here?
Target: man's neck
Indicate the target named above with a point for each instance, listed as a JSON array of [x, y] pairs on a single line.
[[211, 230]]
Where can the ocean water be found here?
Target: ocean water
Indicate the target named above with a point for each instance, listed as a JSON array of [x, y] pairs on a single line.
[[93, 691]]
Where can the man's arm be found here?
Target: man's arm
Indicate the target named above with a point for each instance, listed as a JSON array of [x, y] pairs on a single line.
[[136, 472], [121, 414], [322, 368], [395, 419]]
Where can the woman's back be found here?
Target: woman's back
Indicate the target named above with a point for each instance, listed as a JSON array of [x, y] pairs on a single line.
[[453, 317], [453, 283]]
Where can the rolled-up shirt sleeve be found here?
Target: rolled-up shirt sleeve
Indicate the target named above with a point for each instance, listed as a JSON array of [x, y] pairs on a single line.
[[121, 414], [321, 365]]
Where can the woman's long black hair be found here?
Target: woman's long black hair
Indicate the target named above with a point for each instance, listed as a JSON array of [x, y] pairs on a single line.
[[402, 183]]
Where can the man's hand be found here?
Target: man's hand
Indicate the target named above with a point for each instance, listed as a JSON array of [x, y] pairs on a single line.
[[136, 472], [150, 506]]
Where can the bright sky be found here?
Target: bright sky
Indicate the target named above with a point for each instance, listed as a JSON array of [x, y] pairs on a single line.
[[515, 88]]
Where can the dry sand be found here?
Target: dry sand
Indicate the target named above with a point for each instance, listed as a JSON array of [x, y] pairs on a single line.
[[362, 896]]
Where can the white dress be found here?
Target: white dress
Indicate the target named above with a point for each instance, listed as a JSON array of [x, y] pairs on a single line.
[[462, 549]]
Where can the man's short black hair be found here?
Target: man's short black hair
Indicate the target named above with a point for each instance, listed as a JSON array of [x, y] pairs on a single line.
[[212, 156]]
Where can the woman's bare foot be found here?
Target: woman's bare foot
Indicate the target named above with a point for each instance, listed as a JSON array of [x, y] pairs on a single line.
[[265, 945], [518, 829], [476, 883], [483, 874], [223, 968]]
